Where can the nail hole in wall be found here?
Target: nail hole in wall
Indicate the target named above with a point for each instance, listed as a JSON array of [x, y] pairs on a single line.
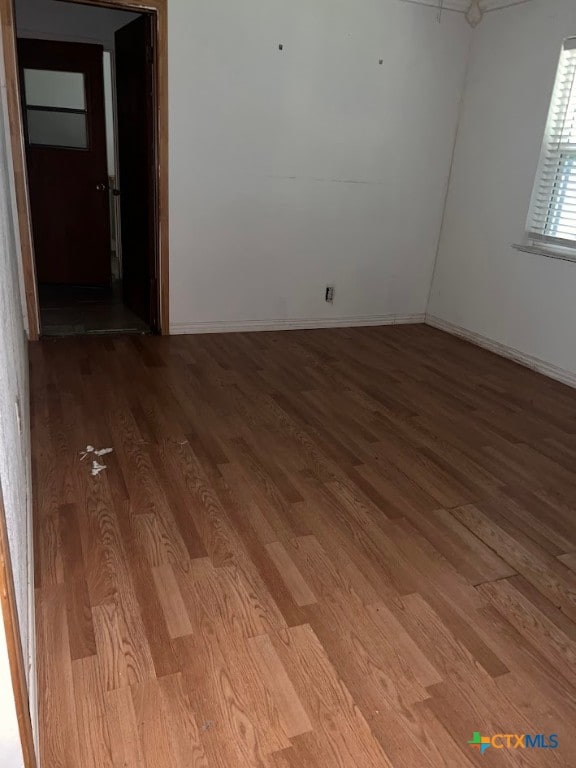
[[281, 47]]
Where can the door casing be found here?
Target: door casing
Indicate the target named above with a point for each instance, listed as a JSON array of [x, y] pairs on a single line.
[[8, 24]]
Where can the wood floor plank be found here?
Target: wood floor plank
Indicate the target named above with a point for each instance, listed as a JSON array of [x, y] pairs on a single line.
[[290, 574], [156, 744], [467, 553], [459, 711], [551, 577], [294, 717], [93, 731], [250, 509], [181, 722], [80, 625], [123, 728], [329, 569], [171, 601], [230, 597], [545, 522], [539, 630], [331, 549], [415, 736], [110, 643], [341, 734], [569, 560], [237, 715], [150, 539], [57, 705]]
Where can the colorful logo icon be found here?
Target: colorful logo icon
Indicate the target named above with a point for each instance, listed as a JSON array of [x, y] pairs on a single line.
[[513, 741], [480, 742]]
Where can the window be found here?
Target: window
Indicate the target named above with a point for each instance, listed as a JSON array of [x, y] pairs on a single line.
[[552, 219], [55, 108]]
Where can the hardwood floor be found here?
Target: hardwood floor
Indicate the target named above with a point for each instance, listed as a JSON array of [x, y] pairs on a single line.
[[331, 548]]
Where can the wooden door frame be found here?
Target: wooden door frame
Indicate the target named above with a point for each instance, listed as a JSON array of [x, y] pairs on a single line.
[[160, 10], [9, 614]]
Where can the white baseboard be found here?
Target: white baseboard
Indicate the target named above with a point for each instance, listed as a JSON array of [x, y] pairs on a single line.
[[535, 363], [231, 326]]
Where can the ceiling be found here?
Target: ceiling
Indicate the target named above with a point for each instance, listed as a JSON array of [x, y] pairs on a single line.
[[474, 9]]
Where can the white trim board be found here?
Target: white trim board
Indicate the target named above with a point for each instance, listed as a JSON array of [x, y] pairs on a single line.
[[535, 363], [231, 326]]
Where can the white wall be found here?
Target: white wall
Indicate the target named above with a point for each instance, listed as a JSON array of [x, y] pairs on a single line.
[[292, 170], [14, 430], [296, 169], [524, 301]]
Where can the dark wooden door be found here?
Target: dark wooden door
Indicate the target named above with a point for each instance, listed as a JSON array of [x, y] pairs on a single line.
[[63, 103], [135, 94]]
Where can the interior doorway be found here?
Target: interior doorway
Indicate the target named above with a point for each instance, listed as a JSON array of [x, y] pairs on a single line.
[[92, 122]]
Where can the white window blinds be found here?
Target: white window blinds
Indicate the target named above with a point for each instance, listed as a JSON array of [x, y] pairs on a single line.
[[552, 217]]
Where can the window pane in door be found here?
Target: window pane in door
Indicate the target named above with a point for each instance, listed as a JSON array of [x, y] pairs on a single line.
[[50, 88], [57, 129]]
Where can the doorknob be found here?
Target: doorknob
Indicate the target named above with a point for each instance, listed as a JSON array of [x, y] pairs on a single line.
[[101, 187]]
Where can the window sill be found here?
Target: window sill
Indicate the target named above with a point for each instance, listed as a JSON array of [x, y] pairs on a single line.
[[564, 255]]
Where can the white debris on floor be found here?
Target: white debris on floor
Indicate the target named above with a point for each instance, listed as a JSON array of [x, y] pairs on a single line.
[[96, 466]]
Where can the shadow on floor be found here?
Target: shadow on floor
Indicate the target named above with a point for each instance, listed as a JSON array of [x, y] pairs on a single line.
[[80, 310]]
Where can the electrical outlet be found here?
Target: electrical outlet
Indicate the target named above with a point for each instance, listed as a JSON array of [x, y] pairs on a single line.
[[329, 295]]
